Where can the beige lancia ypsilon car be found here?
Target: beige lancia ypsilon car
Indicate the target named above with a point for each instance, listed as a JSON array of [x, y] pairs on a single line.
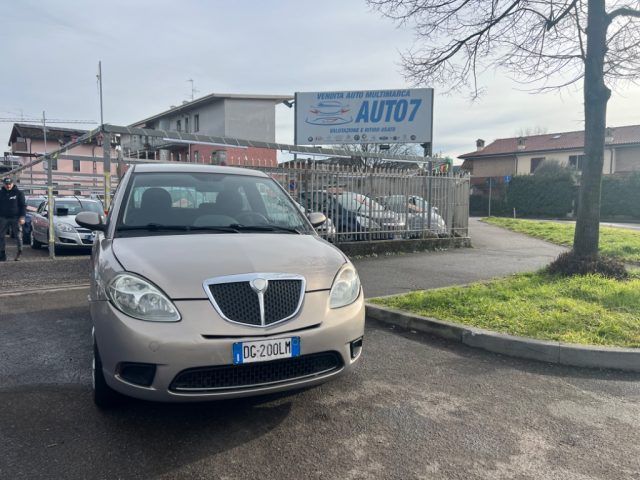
[[209, 282]]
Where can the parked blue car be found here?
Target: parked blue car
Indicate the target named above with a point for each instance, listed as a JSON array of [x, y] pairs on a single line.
[[33, 202]]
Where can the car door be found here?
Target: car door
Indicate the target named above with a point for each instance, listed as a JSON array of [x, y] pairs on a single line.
[[40, 223]]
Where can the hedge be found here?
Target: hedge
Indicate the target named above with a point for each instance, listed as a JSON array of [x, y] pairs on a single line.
[[620, 196], [544, 196], [533, 195]]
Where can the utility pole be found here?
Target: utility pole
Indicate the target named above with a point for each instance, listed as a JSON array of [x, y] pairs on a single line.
[[52, 238], [100, 86], [106, 149]]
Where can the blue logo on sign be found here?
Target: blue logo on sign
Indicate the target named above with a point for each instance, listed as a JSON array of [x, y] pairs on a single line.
[[330, 112]]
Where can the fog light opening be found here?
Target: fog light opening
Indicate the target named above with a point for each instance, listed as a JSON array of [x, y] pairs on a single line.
[[356, 348], [137, 373]]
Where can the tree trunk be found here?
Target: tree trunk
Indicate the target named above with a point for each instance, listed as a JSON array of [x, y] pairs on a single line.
[[596, 96]]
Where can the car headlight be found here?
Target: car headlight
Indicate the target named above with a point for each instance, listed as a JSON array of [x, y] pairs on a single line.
[[346, 287], [139, 299], [65, 227]]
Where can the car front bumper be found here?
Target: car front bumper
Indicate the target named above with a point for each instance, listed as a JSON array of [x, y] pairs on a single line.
[[74, 240], [195, 341]]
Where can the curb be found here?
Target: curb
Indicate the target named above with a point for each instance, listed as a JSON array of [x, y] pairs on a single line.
[[627, 359]]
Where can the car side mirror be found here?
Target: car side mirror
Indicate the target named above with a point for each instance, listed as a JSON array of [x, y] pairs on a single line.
[[91, 220], [317, 218]]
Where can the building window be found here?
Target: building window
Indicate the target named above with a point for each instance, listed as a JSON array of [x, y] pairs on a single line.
[[575, 161], [535, 163], [179, 125], [76, 190], [76, 165], [196, 123], [186, 124], [54, 163]]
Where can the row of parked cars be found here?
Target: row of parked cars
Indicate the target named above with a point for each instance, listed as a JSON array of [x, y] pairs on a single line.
[[351, 216], [67, 233], [354, 216]]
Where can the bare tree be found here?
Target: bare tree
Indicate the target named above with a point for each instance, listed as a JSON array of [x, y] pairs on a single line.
[[547, 44], [365, 163], [529, 131]]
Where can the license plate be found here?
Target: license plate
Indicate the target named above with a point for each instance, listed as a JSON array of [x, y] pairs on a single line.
[[264, 350]]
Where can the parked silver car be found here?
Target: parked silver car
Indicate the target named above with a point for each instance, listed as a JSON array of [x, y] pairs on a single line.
[[67, 233], [209, 282], [416, 210]]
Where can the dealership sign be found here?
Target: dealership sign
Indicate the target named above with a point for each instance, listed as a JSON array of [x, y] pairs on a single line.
[[365, 116]]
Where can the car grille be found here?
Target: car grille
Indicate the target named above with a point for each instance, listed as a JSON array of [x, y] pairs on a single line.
[[251, 375], [238, 302]]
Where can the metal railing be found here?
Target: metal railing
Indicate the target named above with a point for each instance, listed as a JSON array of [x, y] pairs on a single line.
[[377, 204], [404, 201]]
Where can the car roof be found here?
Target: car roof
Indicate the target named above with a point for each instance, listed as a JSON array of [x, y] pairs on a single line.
[[188, 168]]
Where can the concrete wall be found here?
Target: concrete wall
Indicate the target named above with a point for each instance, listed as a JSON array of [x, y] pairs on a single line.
[[250, 119], [524, 160], [494, 167], [615, 160], [37, 175], [627, 159]]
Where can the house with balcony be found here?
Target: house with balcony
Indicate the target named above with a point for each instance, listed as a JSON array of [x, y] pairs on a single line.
[[80, 175], [247, 117], [506, 157]]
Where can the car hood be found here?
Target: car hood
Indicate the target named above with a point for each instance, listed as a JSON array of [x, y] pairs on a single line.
[[179, 264], [70, 219]]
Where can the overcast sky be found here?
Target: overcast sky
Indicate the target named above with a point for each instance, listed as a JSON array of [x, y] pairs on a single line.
[[149, 49]]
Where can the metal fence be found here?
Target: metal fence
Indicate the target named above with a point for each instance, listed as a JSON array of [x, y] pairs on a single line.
[[405, 201], [377, 204]]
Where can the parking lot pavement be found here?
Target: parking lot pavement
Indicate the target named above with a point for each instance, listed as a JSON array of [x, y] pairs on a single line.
[[496, 252], [416, 407]]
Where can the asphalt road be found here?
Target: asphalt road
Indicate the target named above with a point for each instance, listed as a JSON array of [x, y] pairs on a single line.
[[417, 407], [496, 252]]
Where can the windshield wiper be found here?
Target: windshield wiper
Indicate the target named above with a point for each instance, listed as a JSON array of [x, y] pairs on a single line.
[[264, 228], [157, 227]]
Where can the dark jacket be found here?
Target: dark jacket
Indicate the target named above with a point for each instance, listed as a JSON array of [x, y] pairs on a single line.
[[12, 204]]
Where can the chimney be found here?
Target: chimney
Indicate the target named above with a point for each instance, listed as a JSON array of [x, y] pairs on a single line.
[[522, 143], [479, 144], [608, 135]]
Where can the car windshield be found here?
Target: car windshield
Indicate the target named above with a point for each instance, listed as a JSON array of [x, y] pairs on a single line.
[[75, 206], [173, 203], [34, 202], [356, 202]]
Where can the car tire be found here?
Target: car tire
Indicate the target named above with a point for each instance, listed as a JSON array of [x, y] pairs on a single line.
[[36, 245], [104, 396]]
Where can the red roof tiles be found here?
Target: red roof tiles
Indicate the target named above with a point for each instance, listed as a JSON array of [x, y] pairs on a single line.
[[553, 141]]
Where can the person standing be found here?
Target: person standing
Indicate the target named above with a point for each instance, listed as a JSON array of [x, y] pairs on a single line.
[[12, 212]]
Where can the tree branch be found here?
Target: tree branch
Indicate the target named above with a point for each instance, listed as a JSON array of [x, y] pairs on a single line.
[[623, 12], [554, 21]]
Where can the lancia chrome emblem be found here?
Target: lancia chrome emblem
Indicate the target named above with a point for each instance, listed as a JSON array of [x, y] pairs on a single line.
[[259, 285]]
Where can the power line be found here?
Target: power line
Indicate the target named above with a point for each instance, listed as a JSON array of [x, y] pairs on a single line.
[[49, 120]]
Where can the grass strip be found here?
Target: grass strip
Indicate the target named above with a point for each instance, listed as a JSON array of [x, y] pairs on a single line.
[[615, 242], [589, 310]]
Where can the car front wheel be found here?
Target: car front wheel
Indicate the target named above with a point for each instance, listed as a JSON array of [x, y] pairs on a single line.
[[36, 245], [103, 395]]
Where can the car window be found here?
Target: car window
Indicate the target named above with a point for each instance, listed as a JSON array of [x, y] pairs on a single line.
[[207, 200], [357, 202], [74, 206]]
